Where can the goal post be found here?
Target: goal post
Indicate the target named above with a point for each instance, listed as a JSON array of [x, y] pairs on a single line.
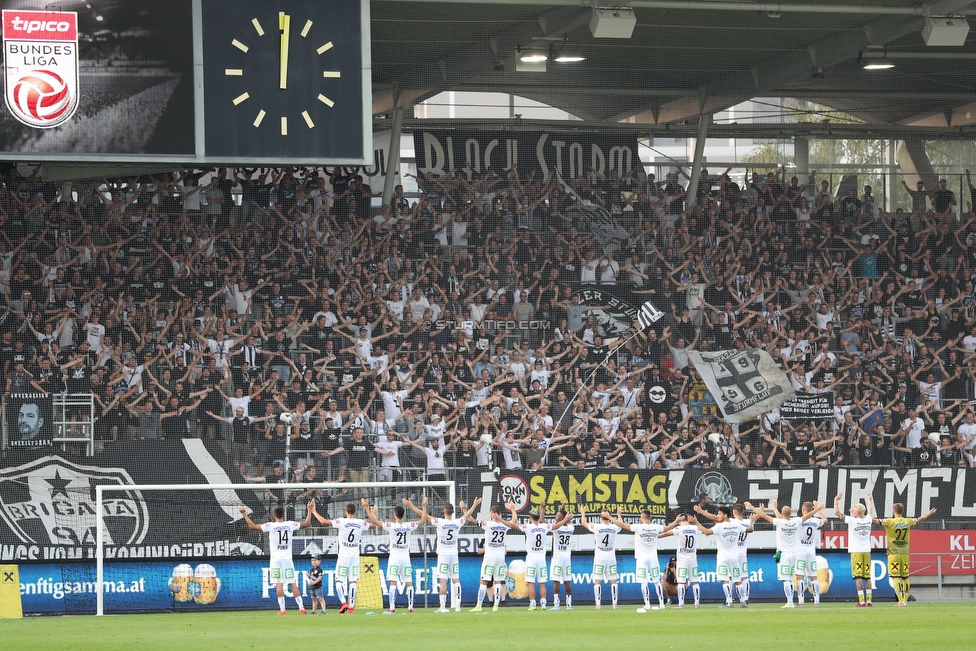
[[214, 507]]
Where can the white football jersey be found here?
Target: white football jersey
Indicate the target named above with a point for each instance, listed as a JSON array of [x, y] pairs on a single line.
[[727, 536], [687, 536], [447, 534], [605, 537], [786, 532], [746, 523], [535, 537], [279, 538], [399, 535], [350, 532], [495, 533], [561, 540], [858, 534], [645, 539], [809, 534]]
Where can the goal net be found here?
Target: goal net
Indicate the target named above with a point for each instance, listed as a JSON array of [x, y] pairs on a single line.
[[206, 557]]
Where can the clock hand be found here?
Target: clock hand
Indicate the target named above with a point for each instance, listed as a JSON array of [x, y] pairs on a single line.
[[284, 25]]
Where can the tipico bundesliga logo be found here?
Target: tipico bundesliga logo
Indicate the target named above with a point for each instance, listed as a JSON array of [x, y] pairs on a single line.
[[41, 66]]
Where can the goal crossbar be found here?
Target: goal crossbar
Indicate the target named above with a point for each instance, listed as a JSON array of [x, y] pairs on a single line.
[[101, 490]]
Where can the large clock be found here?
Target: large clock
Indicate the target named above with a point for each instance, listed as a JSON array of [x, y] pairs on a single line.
[[286, 80]]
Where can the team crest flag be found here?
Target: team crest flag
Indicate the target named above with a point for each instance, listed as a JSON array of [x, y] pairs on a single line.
[[41, 66], [745, 383]]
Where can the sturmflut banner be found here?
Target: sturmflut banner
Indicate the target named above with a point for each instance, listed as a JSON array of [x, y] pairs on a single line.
[[745, 383]]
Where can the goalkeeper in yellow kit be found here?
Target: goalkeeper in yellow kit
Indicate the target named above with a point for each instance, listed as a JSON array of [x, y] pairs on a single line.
[[898, 532]]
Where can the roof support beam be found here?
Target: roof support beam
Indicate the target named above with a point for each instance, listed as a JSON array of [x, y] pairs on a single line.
[[775, 72], [689, 129], [478, 57], [711, 5], [527, 90]]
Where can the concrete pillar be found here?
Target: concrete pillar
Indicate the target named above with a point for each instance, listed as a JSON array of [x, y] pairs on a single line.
[[393, 163], [801, 152], [893, 181], [696, 166]]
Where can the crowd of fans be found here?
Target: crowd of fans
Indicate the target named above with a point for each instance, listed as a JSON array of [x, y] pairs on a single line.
[[447, 330]]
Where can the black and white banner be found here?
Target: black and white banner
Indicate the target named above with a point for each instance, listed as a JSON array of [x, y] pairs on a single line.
[[648, 315], [667, 493], [806, 406], [30, 420], [570, 154], [605, 229], [48, 504], [745, 383]]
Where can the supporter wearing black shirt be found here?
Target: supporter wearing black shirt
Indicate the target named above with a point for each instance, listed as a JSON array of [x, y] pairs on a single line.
[[359, 454]]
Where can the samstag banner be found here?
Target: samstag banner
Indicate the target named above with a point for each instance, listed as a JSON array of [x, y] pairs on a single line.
[[569, 154], [669, 492], [47, 504]]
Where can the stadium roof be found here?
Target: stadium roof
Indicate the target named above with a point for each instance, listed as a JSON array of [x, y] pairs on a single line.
[[685, 58]]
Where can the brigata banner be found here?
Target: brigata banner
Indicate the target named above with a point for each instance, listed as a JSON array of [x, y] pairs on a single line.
[[806, 406], [47, 504], [245, 584], [540, 153], [666, 493]]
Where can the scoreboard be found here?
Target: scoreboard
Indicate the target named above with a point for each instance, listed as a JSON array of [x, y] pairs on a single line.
[[263, 82]]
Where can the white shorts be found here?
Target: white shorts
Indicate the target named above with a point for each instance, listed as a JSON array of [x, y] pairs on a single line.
[[648, 569], [493, 568], [347, 569], [784, 569], [605, 568], [806, 563], [282, 570], [743, 564], [686, 569], [561, 568], [727, 567], [398, 569], [535, 569], [448, 567]]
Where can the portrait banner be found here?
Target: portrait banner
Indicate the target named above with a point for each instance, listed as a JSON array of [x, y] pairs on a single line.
[[30, 420]]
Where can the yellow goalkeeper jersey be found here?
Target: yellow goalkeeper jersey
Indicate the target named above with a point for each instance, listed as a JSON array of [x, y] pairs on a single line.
[[898, 531]]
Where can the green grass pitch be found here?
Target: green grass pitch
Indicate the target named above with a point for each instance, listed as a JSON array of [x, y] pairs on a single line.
[[763, 626]]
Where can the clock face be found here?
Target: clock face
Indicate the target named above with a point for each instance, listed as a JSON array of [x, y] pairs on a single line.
[[283, 80]]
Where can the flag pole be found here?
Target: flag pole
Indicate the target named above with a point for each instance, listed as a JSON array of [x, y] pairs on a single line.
[[647, 315]]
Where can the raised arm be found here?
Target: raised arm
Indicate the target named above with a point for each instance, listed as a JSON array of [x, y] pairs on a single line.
[[371, 514], [247, 519], [837, 510], [619, 520], [312, 511], [761, 511], [424, 516]]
